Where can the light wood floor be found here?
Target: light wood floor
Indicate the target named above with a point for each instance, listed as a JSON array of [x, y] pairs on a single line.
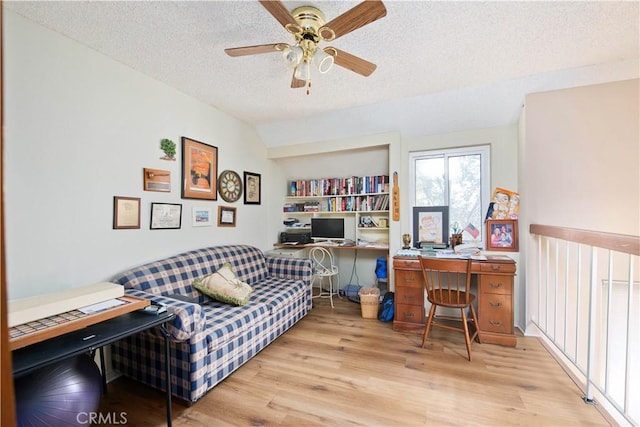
[[335, 368]]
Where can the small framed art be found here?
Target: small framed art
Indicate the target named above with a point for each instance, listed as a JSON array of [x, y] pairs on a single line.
[[157, 180], [226, 216], [202, 217], [166, 216], [430, 225], [502, 235], [199, 170], [252, 188], [126, 212]]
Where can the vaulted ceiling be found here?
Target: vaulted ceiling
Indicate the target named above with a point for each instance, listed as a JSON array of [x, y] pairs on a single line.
[[441, 66]]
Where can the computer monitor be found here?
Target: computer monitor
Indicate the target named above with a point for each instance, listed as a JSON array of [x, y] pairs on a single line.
[[327, 228]]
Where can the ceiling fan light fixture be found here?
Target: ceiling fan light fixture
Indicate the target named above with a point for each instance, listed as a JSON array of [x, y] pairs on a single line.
[[323, 61], [292, 56], [303, 71]]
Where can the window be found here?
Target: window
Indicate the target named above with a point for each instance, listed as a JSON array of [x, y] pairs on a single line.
[[458, 178]]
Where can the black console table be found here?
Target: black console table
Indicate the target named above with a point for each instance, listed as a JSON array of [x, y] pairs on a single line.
[[90, 338]]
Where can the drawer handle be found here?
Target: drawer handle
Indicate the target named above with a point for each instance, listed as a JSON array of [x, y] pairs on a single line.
[[495, 285], [408, 314], [493, 323], [408, 279], [408, 298], [496, 267], [495, 304]]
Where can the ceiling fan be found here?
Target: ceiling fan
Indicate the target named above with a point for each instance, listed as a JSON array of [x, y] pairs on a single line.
[[308, 26]]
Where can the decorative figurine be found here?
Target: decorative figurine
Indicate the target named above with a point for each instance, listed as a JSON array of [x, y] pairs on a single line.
[[406, 239]]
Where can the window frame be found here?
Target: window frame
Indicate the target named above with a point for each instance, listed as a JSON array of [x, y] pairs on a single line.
[[485, 176]]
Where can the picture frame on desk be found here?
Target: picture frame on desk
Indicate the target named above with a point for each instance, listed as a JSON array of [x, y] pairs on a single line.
[[430, 225], [502, 235]]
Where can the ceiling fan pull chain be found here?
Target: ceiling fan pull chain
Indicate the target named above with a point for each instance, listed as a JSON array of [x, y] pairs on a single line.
[[308, 86]]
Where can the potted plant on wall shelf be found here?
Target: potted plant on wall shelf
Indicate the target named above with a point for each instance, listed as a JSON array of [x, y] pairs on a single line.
[[169, 148]]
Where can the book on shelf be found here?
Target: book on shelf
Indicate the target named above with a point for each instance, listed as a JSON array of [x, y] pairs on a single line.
[[352, 185]]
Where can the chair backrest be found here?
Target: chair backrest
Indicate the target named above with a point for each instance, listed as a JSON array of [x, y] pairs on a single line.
[[322, 261], [447, 280]]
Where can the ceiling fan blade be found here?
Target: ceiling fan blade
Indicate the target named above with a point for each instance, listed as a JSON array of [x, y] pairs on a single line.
[[351, 62], [252, 50], [295, 83], [356, 17], [279, 11]]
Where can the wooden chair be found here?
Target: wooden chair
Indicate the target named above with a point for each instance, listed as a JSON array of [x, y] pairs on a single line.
[[447, 282]]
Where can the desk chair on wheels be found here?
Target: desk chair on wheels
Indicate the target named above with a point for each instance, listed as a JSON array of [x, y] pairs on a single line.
[[447, 282], [324, 267]]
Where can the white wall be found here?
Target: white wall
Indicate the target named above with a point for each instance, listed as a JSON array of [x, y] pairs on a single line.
[[582, 157], [580, 162], [79, 129]]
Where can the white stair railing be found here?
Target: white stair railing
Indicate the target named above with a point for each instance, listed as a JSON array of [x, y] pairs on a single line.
[[587, 304]]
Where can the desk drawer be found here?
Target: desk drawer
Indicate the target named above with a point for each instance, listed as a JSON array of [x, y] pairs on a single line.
[[407, 264], [409, 313], [494, 313], [408, 295], [495, 284], [496, 267], [409, 278]]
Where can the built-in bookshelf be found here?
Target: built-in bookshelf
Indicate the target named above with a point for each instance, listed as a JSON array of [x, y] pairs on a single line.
[[362, 201]]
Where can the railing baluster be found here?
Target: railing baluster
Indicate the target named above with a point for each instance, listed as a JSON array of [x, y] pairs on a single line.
[[591, 344], [627, 375], [608, 317]]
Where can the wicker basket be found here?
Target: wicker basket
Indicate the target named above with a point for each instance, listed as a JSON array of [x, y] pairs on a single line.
[[369, 302]]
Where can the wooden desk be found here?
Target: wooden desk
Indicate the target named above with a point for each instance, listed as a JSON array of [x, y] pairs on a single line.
[[59, 324], [311, 245], [494, 278]]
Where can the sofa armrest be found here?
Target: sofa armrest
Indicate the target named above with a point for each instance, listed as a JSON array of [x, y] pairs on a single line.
[[290, 268], [189, 317]]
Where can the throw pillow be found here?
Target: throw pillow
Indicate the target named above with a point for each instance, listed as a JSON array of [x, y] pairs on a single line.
[[224, 286]]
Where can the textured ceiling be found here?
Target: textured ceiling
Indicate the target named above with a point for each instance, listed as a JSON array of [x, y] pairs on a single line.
[[427, 53]]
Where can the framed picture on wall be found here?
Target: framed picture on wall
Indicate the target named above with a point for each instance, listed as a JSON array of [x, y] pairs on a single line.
[[126, 212], [502, 235], [226, 216], [166, 216], [430, 225], [199, 170], [202, 217], [252, 188]]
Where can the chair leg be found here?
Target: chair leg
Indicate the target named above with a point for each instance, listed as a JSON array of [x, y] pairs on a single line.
[[465, 325], [475, 323], [432, 312], [331, 290]]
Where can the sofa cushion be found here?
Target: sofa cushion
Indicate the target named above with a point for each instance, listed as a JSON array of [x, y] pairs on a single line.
[[224, 286]]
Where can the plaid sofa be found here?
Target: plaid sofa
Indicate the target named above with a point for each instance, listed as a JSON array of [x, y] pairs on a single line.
[[210, 339]]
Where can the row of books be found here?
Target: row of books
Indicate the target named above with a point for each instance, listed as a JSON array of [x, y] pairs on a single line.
[[342, 204], [339, 186]]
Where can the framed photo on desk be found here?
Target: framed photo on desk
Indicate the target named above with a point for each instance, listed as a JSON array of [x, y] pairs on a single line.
[[430, 225], [502, 235]]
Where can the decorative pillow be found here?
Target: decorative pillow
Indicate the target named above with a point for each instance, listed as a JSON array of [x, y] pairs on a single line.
[[223, 285]]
